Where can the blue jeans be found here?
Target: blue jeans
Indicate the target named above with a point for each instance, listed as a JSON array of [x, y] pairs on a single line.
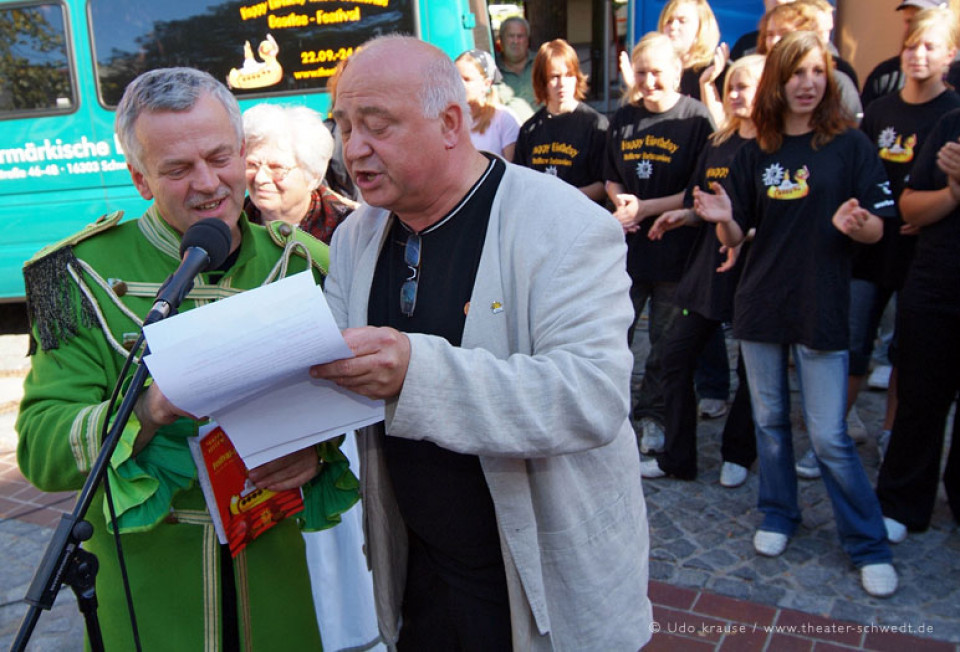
[[867, 302], [823, 394]]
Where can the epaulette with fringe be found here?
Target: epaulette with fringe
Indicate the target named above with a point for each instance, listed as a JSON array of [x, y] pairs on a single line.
[[47, 277], [282, 233]]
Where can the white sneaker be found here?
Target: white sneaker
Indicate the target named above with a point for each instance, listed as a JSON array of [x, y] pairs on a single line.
[[879, 580], [896, 531], [855, 428], [651, 469], [807, 467], [770, 544], [711, 408], [880, 377], [732, 475], [652, 437]]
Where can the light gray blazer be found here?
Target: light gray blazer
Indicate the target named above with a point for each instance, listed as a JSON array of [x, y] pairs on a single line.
[[540, 391]]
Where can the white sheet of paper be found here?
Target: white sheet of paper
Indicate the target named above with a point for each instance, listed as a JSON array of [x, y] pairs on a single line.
[[244, 361]]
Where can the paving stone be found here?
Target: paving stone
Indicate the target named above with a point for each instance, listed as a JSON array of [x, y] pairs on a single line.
[[691, 577], [767, 594], [732, 587], [853, 612], [812, 578], [807, 602], [660, 570], [679, 549]]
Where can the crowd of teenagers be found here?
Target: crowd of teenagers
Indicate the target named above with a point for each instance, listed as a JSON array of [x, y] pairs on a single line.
[[760, 189]]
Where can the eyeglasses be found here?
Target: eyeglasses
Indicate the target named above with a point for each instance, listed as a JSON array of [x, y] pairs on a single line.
[[275, 171], [408, 291]]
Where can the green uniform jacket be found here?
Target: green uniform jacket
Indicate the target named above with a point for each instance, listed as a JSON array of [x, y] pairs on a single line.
[[86, 297]]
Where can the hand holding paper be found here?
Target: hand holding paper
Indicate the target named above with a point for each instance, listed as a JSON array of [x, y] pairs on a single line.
[[244, 361], [378, 366]]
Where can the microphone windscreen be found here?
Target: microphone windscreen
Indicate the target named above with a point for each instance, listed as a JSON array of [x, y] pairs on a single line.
[[211, 235]]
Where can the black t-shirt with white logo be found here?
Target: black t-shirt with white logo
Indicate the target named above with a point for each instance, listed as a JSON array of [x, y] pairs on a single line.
[[655, 155]]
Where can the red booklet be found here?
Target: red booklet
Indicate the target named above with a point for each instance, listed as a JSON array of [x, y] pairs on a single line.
[[240, 511]]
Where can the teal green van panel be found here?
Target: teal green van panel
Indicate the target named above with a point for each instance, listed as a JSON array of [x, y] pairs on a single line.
[[447, 25], [45, 218]]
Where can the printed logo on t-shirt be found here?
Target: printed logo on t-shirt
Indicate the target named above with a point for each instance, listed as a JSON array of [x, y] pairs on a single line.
[[719, 172], [645, 150], [551, 169], [887, 193], [552, 155], [644, 170], [891, 147], [781, 186]]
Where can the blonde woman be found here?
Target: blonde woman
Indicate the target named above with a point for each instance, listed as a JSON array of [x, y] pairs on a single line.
[[917, 263], [653, 142], [705, 294], [693, 29]]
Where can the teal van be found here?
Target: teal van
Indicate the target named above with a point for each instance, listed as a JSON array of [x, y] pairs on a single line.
[[64, 65]]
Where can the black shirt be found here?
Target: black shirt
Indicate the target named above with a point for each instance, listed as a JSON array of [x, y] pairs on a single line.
[[567, 145], [933, 282], [795, 286], [442, 495], [702, 289], [884, 79], [898, 130], [654, 155]]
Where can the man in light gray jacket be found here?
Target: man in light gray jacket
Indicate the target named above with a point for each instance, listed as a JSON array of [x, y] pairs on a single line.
[[488, 305]]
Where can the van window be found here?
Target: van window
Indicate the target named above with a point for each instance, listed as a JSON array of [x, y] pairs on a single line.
[[260, 48], [35, 68]]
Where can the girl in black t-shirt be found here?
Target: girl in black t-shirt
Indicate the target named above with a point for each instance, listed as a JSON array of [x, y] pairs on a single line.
[[811, 185], [693, 28], [566, 137], [928, 346], [652, 147], [705, 295], [898, 125]]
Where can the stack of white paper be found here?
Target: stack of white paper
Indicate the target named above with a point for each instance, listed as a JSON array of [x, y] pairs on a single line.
[[244, 361]]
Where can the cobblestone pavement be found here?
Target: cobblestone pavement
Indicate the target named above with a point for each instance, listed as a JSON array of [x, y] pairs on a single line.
[[701, 538]]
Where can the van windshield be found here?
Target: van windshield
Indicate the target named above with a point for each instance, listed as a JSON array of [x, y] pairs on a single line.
[[260, 48]]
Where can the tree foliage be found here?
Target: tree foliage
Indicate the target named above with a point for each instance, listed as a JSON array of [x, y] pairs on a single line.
[[34, 68]]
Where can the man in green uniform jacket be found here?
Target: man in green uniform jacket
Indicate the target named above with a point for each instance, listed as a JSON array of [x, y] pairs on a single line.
[[182, 136]]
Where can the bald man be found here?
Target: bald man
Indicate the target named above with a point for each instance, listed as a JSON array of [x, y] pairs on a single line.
[[488, 305]]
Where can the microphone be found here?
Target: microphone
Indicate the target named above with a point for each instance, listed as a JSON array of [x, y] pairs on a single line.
[[205, 246]]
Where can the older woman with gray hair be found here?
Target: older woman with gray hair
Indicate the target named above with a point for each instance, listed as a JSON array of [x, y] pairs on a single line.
[[288, 149]]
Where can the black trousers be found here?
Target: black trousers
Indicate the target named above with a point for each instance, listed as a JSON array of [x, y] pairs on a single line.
[[928, 367], [444, 609], [689, 334]]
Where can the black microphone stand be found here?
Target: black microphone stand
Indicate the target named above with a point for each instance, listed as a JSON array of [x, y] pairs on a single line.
[[205, 244], [64, 561]]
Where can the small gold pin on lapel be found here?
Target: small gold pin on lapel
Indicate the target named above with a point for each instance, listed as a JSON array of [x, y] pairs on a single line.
[[496, 307]]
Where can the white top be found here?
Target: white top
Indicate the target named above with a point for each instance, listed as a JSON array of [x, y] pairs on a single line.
[[501, 132]]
